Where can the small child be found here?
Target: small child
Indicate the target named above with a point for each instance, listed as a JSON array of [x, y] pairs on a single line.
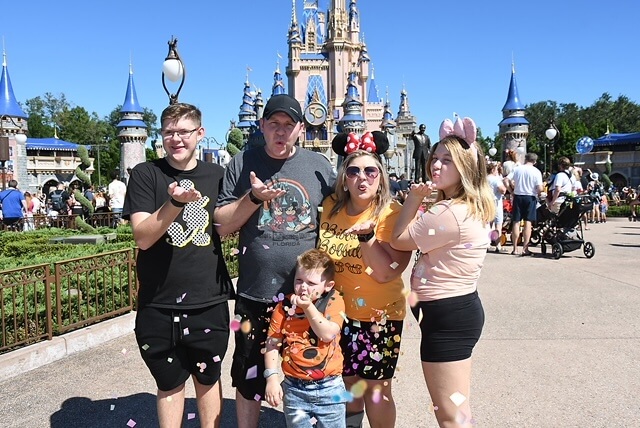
[[307, 325], [604, 207]]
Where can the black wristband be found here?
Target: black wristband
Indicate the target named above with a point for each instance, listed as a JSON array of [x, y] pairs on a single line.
[[254, 199], [176, 203], [367, 237]]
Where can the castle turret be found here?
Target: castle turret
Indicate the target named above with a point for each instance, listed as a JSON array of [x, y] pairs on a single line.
[[514, 127], [352, 121], [278, 84], [132, 132], [247, 116], [13, 121]]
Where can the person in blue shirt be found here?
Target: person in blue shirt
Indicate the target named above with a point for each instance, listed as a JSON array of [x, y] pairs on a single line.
[[13, 204]]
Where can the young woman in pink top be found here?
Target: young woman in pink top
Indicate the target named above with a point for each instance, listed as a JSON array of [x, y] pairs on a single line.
[[452, 236]]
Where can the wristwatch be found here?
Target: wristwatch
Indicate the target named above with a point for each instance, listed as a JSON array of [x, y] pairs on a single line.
[[269, 372], [177, 203], [254, 199], [367, 237]]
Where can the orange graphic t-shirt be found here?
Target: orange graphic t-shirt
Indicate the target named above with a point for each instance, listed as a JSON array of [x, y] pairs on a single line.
[[304, 356]]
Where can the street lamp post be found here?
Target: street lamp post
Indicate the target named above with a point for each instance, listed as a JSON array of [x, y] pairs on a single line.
[[550, 133], [173, 69]]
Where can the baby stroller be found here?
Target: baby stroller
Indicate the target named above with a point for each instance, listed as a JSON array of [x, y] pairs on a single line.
[[563, 231]]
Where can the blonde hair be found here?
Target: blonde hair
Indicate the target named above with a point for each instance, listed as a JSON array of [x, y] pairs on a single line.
[[341, 196], [473, 189]]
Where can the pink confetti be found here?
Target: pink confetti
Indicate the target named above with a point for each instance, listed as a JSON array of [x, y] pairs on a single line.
[[257, 397], [266, 247], [131, 423], [185, 331], [216, 359], [252, 373], [235, 323], [191, 416]]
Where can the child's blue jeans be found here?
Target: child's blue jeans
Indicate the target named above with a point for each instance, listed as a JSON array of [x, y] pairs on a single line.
[[323, 400]]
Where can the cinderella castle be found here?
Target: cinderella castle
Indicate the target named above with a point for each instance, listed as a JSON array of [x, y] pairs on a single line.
[[330, 73]]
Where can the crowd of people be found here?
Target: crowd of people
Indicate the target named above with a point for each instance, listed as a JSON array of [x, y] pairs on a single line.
[[19, 209]]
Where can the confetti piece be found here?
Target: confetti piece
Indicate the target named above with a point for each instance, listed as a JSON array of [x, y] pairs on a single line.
[[244, 250], [376, 356], [145, 347], [185, 331], [468, 246], [252, 373], [184, 316], [432, 232], [191, 416], [412, 299], [113, 406], [245, 327], [394, 265], [360, 302], [278, 298], [313, 420], [234, 325], [257, 397], [124, 351], [202, 367], [376, 396], [176, 319], [131, 423], [170, 360], [420, 316], [457, 398], [357, 389], [207, 330], [368, 270], [356, 323], [423, 280], [216, 359], [266, 247]]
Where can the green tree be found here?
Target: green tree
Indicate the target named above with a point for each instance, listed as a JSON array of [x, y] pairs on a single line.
[[234, 141]]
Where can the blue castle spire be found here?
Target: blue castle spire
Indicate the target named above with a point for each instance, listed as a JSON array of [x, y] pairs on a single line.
[[278, 84], [8, 104], [131, 110]]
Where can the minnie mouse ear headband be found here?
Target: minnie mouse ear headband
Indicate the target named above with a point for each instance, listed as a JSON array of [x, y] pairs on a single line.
[[371, 142], [465, 129]]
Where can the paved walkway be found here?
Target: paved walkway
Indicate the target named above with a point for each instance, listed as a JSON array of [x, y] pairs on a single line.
[[560, 348]]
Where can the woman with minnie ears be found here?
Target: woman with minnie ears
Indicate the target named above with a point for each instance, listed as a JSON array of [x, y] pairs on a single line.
[[355, 231], [453, 237]]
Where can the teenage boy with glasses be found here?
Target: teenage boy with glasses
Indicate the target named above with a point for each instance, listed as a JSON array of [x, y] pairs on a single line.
[[182, 324]]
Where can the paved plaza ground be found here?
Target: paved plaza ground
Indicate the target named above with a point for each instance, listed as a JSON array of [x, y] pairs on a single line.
[[560, 348]]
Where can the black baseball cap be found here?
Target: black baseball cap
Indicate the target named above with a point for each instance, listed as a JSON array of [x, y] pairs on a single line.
[[283, 103]]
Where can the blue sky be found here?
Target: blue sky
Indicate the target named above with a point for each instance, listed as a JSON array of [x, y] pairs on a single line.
[[450, 56]]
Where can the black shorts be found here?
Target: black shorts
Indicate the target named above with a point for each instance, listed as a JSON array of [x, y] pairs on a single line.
[[524, 208], [175, 344], [450, 327], [248, 357], [370, 349]]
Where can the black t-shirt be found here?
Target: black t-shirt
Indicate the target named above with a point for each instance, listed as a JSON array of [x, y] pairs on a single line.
[[185, 268]]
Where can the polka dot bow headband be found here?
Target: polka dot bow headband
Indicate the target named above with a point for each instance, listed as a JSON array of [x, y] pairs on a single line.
[[372, 142]]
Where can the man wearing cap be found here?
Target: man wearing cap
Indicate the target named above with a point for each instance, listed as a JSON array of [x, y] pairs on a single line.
[[271, 195]]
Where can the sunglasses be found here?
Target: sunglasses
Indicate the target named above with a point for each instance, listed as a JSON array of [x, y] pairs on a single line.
[[371, 172]]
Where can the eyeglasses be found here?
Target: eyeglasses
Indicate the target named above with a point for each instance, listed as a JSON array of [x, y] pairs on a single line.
[[183, 134], [371, 172]]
